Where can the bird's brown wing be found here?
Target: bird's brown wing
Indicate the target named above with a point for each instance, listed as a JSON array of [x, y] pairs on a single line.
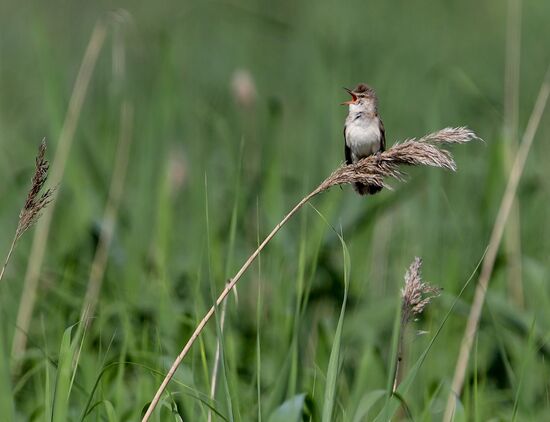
[[347, 150], [382, 136]]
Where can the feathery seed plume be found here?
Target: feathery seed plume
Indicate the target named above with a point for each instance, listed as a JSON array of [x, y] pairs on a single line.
[[424, 151], [35, 202], [417, 294]]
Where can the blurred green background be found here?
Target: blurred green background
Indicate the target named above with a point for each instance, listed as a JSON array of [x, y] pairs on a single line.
[[236, 117]]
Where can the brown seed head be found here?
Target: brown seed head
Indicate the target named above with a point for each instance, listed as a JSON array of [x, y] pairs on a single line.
[[425, 151], [35, 201], [417, 294]]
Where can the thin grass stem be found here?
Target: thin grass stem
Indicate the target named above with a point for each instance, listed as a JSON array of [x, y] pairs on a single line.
[[494, 244], [8, 256], [110, 215], [510, 131]]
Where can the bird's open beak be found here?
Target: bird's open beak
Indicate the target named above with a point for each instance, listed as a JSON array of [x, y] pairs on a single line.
[[353, 98]]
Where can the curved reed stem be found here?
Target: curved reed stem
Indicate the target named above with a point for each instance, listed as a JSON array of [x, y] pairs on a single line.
[[371, 170]]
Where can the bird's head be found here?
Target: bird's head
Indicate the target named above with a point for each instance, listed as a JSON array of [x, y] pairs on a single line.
[[363, 98]]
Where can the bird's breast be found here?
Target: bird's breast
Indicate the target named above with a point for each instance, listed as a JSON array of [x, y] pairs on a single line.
[[363, 137]]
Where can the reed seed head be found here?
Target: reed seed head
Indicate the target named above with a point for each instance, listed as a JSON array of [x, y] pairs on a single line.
[[416, 293], [425, 151], [36, 201]]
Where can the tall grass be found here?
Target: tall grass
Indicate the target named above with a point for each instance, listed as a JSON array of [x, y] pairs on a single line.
[[248, 97], [425, 151]]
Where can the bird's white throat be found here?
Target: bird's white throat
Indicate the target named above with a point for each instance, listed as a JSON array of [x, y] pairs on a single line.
[[362, 135]]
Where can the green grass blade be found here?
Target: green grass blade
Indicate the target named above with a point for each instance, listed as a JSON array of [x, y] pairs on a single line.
[[6, 398], [223, 374], [334, 360], [291, 410], [367, 402], [393, 357], [110, 410], [528, 348], [64, 377], [259, 323]]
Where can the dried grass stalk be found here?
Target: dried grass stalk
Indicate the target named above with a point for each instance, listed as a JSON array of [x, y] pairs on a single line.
[[41, 234], [499, 226], [37, 200], [372, 170], [510, 131], [110, 215]]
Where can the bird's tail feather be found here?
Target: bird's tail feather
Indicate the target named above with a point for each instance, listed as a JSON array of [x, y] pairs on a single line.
[[363, 189]]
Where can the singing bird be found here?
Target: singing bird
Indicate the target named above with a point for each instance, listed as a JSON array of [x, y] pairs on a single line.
[[364, 133]]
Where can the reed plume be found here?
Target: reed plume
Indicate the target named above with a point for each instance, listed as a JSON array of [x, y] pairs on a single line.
[[37, 200], [372, 170], [425, 151], [416, 295]]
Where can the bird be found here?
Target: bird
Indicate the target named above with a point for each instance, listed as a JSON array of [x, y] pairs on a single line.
[[364, 132]]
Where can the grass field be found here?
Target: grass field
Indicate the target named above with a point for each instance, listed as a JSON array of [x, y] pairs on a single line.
[[180, 133]]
